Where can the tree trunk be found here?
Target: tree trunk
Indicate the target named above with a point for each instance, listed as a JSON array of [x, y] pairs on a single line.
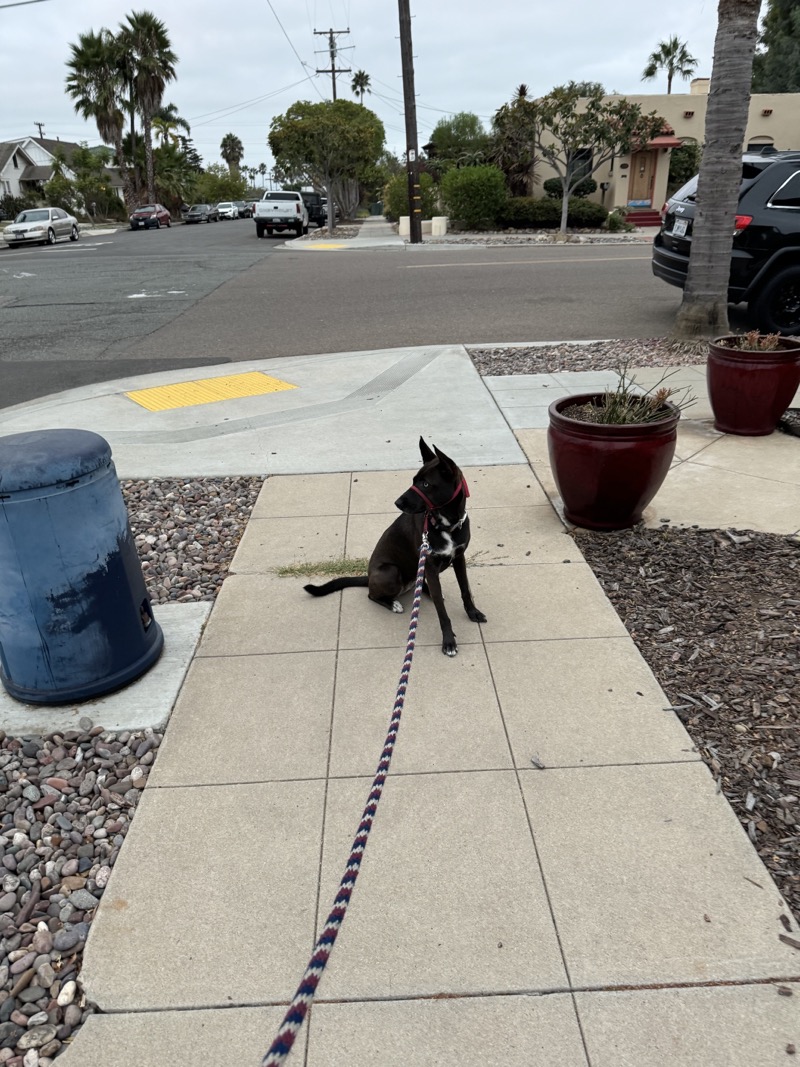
[[704, 308], [562, 230], [328, 186], [128, 191], [669, 82], [148, 156]]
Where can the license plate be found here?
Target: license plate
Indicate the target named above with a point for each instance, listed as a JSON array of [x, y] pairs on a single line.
[[679, 227]]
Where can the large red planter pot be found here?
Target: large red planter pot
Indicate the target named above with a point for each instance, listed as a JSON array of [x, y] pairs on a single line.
[[749, 391], [608, 474]]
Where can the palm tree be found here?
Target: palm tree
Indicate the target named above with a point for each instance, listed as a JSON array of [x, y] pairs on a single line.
[[166, 130], [511, 148], [360, 85], [673, 57], [262, 170], [169, 113], [232, 151], [96, 87], [144, 40], [704, 307]]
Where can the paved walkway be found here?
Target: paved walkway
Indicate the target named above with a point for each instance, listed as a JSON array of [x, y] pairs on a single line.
[[607, 910]]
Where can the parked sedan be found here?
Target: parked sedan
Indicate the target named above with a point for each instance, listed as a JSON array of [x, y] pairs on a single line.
[[245, 208], [150, 217], [228, 210], [202, 213], [41, 226]]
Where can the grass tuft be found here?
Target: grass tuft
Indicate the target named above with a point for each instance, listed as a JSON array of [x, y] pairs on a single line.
[[329, 568]]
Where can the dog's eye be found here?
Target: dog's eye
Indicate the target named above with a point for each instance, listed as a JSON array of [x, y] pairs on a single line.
[[424, 485]]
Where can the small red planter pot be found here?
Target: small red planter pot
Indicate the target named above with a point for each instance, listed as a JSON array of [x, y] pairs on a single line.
[[607, 474], [750, 391]]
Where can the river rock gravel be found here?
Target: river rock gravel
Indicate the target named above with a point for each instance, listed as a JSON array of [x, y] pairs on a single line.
[[66, 803], [588, 356]]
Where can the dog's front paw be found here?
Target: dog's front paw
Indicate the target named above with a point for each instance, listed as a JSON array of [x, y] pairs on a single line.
[[397, 607], [476, 615], [450, 648]]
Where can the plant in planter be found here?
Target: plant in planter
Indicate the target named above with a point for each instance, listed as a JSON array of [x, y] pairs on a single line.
[[752, 378], [610, 452]]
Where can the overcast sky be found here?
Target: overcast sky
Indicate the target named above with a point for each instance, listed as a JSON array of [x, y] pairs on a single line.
[[237, 68]]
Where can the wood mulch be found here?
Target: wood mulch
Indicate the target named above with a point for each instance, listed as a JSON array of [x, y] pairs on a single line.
[[716, 614]]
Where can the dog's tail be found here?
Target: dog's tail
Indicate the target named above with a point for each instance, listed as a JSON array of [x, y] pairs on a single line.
[[335, 585]]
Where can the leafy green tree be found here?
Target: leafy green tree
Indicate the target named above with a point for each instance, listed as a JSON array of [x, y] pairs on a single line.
[[149, 62], [571, 128], [457, 141], [232, 151], [327, 145], [193, 157], [93, 181], [704, 307], [513, 135], [776, 67], [684, 163], [475, 195], [217, 183], [360, 85], [176, 179], [96, 87], [60, 190], [672, 56]]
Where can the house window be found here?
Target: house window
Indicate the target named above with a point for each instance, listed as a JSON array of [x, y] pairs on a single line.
[[580, 164], [764, 145], [14, 160]]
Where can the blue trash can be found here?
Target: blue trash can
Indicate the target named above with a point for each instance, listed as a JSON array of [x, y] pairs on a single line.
[[75, 617]]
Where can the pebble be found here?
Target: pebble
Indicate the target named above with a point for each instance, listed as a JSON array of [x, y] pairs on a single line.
[[38, 1036]]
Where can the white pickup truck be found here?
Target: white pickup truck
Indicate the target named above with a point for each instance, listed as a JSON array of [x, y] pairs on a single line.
[[280, 211]]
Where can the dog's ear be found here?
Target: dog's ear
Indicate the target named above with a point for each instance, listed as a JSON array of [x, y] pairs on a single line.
[[425, 452], [445, 460]]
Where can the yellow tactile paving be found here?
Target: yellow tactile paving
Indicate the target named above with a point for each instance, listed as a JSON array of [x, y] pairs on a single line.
[[207, 391], [317, 246]]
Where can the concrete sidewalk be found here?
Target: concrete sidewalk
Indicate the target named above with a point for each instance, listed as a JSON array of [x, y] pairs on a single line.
[[605, 911]]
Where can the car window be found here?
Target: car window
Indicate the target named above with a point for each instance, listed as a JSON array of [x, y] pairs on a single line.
[[751, 169], [788, 195], [282, 196], [59, 214], [33, 216]]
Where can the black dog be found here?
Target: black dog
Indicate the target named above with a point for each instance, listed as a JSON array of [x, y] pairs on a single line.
[[437, 500]]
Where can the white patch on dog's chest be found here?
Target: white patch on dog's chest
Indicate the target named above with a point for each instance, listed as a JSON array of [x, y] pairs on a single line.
[[446, 549]]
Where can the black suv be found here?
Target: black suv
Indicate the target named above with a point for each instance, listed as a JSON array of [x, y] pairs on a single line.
[[765, 263], [315, 208]]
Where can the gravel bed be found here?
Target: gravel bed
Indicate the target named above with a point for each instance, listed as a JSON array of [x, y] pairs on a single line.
[[339, 233], [66, 802], [716, 614], [186, 532], [588, 356], [543, 237]]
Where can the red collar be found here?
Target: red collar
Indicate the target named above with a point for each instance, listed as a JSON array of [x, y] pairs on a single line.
[[431, 507]]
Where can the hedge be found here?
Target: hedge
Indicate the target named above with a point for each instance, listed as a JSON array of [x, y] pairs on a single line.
[[526, 212]]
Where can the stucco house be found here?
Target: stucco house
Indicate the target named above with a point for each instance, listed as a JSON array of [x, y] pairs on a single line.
[[27, 163], [638, 182]]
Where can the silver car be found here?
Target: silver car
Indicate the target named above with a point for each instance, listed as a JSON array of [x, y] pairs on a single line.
[[41, 226]]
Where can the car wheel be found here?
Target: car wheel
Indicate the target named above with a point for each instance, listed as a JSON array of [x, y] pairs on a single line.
[[169, 223], [13, 245], [776, 309], [158, 224], [75, 234], [51, 237], [305, 229], [298, 231], [270, 231], [259, 229]]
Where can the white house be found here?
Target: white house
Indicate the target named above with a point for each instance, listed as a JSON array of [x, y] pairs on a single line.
[[27, 163]]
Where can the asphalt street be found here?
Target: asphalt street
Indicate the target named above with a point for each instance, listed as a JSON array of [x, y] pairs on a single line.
[[134, 302]]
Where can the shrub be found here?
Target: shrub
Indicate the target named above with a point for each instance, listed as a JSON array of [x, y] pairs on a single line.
[[524, 212], [395, 196], [10, 206], [585, 213], [553, 188], [475, 196], [615, 223]]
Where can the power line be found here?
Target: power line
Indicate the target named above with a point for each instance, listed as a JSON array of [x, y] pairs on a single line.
[[234, 108], [22, 3], [302, 62], [332, 51]]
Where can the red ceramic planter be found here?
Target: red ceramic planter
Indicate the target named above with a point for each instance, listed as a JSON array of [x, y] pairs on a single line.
[[749, 391], [607, 474]]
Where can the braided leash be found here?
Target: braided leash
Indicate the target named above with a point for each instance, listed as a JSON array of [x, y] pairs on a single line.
[[298, 1009]]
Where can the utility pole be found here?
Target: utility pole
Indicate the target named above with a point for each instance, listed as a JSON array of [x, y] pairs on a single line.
[[333, 70], [39, 124], [412, 162]]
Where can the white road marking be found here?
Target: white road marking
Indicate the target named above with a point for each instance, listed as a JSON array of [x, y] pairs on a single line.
[[157, 295], [24, 274], [521, 262]]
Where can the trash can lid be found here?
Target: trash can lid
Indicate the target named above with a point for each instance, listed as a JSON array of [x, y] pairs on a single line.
[[47, 457]]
